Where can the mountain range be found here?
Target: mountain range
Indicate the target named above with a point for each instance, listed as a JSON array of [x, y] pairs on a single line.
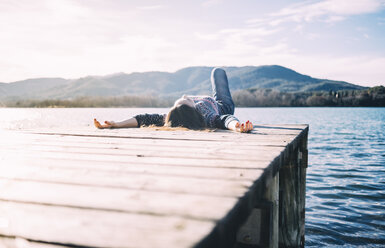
[[190, 80]]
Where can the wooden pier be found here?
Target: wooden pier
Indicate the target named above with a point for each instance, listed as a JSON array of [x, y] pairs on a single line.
[[150, 188]]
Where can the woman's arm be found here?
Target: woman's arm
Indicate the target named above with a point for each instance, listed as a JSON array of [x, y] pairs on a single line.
[[136, 121], [132, 122]]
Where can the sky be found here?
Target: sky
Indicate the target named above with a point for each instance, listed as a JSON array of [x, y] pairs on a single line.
[[333, 39]]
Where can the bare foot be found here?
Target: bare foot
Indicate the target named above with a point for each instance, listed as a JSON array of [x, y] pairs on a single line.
[[244, 127], [107, 124]]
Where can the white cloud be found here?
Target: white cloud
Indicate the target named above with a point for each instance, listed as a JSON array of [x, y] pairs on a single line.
[[131, 53], [63, 38], [64, 11], [362, 70], [334, 18], [238, 44], [381, 21], [151, 7], [239, 47], [209, 3], [329, 11], [70, 39], [206, 37], [255, 32]]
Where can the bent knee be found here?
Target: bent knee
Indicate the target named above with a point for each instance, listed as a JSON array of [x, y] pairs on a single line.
[[218, 71]]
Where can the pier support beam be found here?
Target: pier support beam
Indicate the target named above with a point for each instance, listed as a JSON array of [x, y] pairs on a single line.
[[278, 219], [261, 228], [292, 185]]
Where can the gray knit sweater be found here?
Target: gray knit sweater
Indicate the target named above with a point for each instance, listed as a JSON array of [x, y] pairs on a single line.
[[205, 105]]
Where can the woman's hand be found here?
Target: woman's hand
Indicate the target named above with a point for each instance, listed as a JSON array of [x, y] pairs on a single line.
[[107, 124], [244, 127], [240, 127]]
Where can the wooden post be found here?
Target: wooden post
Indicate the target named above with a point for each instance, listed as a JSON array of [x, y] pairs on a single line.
[[278, 220], [272, 195], [292, 184], [261, 227]]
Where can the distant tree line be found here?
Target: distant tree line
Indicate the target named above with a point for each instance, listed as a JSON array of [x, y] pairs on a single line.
[[92, 102], [372, 97]]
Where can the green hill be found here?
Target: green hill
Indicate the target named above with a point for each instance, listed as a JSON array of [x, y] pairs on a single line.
[[190, 80]]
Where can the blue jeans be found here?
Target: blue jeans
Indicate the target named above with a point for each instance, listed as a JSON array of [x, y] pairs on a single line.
[[221, 91]]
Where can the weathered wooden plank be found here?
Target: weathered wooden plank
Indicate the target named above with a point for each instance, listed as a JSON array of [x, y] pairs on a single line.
[[146, 133], [117, 179], [9, 242], [116, 199], [94, 228], [238, 137], [128, 143], [180, 134], [260, 140], [153, 158], [129, 170], [116, 155], [263, 153], [158, 145], [271, 130]]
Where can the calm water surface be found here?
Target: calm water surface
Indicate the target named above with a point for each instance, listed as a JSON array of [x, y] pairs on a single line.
[[345, 198]]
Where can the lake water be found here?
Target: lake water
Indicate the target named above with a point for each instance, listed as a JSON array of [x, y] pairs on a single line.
[[345, 197]]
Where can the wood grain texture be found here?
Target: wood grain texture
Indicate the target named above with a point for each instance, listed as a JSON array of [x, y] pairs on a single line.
[[12, 242], [135, 159], [135, 187], [140, 181], [115, 199], [125, 169], [95, 228]]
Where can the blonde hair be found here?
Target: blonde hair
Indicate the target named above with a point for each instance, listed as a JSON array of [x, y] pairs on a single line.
[[167, 128]]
